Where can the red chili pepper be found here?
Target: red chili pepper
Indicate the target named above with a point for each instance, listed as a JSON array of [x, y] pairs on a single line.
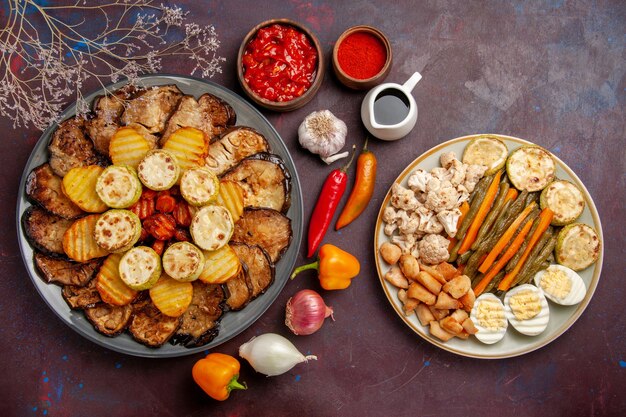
[[333, 189]]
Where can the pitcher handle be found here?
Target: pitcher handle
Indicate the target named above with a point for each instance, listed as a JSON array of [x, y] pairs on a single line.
[[412, 82]]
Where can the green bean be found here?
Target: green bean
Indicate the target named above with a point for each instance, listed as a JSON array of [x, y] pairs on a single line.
[[493, 214], [471, 267], [455, 251], [526, 273], [506, 219], [494, 282], [463, 258]]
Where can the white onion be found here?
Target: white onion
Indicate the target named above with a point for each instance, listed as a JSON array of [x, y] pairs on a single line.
[[271, 354], [305, 312]]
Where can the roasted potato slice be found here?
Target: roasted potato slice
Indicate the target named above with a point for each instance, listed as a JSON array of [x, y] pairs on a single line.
[[109, 284], [267, 228], [79, 185], [128, 147], [220, 265], [231, 196], [170, 296], [78, 241], [189, 145]]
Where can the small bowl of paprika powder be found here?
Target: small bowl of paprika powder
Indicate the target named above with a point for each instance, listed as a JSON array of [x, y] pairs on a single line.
[[362, 57], [280, 65]]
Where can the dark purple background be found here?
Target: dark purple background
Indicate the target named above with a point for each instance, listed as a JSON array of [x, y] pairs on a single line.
[[548, 71]]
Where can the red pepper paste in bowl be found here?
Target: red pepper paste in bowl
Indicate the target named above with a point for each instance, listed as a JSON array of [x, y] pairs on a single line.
[[279, 63], [361, 55]]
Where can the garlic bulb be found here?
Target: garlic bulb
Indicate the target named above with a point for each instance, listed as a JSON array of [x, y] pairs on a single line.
[[271, 354], [324, 134]]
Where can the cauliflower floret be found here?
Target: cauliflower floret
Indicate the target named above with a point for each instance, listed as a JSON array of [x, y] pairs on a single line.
[[473, 174], [403, 198], [389, 215], [428, 221], [449, 220], [433, 184], [464, 195], [418, 180], [447, 159], [444, 198], [440, 173], [406, 242], [433, 249], [390, 228], [457, 170], [409, 224]]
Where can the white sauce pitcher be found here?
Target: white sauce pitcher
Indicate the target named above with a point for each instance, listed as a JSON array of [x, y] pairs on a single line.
[[389, 111]]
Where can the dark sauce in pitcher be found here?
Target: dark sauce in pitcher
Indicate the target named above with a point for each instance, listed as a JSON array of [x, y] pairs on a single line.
[[391, 107]]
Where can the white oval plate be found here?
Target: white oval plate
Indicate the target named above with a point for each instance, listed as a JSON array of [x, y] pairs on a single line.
[[513, 343]]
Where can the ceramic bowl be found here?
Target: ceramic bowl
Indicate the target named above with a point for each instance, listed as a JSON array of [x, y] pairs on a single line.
[[356, 83], [298, 101]]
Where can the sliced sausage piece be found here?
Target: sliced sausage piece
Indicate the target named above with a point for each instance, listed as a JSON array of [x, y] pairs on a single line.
[[45, 188], [79, 298], [45, 230], [63, 272], [200, 321], [265, 181], [239, 290], [267, 228], [149, 326], [233, 146], [152, 107], [260, 267], [70, 148], [108, 319]]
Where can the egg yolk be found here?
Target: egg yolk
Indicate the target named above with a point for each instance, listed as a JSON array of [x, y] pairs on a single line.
[[525, 305], [556, 283], [490, 315]]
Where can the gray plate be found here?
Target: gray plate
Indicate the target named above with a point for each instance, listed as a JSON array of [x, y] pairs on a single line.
[[232, 323]]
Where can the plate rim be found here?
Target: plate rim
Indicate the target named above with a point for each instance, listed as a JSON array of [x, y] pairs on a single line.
[[23, 202], [522, 350]]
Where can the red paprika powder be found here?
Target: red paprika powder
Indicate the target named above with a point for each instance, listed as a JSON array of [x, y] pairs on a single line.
[[361, 55]]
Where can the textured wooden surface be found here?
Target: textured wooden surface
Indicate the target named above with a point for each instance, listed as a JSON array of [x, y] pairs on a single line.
[[550, 71]]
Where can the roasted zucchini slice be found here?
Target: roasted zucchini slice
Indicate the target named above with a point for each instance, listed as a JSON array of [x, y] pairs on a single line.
[[183, 261], [118, 186], [109, 320], [486, 151], [564, 199], [45, 230], [158, 170], [46, 188], [260, 267], [530, 168], [577, 246], [199, 186], [140, 268], [267, 228], [211, 227], [200, 322], [265, 180], [149, 326], [117, 230]]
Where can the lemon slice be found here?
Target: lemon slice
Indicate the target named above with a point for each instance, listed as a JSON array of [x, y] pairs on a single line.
[[199, 186], [487, 151], [211, 227]]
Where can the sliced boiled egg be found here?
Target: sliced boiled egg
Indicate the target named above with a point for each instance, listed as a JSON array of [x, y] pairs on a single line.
[[527, 309], [561, 285], [489, 318]]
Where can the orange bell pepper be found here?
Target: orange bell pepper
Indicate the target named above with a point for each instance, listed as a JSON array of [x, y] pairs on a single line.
[[217, 375], [335, 268]]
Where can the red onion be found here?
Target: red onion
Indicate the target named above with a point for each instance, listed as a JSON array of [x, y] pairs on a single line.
[[306, 312]]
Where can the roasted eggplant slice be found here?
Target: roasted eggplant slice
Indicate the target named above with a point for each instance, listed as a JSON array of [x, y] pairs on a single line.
[[45, 187], [189, 113], [200, 321], [149, 326], [69, 148], [108, 319], [45, 230], [265, 180], [152, 107], [233, 146], [107, 112], [260, 267], [238, 290], [222, 114], [79, 298], [267, 228], [63, 272]]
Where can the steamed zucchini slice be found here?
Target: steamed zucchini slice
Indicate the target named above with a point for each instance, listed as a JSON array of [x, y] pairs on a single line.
[[530, 168], [486, 151], [564, 199], [117, 230], [140, 268], [158, 170], [118, 186], [199, 186], [211, 227], [577, 246], [183, 261]]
